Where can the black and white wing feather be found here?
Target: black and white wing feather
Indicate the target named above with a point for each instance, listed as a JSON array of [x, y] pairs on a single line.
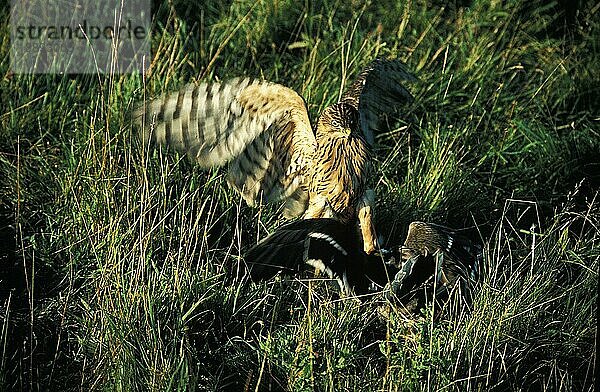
[[331, 247]]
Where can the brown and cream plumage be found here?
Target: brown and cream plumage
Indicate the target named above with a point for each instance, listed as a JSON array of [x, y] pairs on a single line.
[[435, 263], [460, 257], [261, 131]]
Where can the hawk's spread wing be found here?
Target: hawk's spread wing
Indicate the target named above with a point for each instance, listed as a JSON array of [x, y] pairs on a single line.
[[260, 129], [378, 90]]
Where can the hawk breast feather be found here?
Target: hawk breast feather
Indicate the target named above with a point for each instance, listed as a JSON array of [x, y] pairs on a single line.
[[261, 131]]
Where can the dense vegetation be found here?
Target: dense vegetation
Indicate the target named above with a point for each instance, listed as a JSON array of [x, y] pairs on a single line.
[[113, 263]]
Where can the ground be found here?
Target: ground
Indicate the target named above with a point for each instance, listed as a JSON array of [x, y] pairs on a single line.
[[114, 262]]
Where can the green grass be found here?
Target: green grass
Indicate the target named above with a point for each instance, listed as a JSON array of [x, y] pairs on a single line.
[[113, 263]]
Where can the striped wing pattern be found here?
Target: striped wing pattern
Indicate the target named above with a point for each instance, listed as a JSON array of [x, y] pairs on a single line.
[[260, 130], [379, 90]]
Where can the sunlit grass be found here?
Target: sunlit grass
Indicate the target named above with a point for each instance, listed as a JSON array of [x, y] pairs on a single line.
[[115, 261]]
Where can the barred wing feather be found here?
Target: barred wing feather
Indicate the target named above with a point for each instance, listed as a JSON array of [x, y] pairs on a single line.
[[260, 130], [378, 90]]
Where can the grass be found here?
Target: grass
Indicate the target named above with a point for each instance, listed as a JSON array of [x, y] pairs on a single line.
[[113, 273]]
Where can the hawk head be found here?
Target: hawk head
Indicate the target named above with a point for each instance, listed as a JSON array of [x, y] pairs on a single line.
[[340, 117]]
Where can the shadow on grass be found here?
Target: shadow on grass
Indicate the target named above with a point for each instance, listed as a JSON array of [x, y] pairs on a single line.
[[36, 352]]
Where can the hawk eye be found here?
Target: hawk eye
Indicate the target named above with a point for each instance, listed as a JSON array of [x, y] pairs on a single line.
[[335, 124]]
